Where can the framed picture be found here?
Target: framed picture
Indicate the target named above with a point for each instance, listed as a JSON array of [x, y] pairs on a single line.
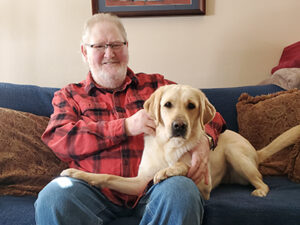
[[149, 7]]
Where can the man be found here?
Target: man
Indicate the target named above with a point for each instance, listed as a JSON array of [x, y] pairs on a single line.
[[98, 126]]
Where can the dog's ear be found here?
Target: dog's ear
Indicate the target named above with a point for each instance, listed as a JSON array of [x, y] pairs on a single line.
[[152, 104], [207, 110]]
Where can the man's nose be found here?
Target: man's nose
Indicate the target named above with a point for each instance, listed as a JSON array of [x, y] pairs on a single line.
[[108, 51]]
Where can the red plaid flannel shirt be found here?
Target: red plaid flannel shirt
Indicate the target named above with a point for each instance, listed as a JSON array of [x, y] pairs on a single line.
[[87, 127]]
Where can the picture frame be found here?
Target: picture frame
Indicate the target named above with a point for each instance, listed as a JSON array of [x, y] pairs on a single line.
[[131, 8]]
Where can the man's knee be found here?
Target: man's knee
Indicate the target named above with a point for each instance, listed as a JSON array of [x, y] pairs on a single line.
[[179, 189], [54, 194], [70, 201], [178, 197], [57, 188], [178, 184]]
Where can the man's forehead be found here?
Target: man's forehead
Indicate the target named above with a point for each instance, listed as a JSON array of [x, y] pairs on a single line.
[[104, 31]]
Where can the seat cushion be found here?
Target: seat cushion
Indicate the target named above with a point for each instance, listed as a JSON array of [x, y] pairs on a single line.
[[233, 204], [17, 210]]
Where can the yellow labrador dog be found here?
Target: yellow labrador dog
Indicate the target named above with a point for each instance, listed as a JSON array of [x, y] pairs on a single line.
[[180, 113]]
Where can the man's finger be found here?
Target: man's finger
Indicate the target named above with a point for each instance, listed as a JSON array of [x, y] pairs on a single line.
[[151, 123], [149, 130], [206, 176], [193, 169]]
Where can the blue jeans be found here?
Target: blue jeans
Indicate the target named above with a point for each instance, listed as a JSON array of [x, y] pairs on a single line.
[[66, 201]]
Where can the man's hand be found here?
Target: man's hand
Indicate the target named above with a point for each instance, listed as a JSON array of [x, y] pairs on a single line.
[[139, 123], [200, 157]]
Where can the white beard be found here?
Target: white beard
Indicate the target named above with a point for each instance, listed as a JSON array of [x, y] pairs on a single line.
[[108, 80]]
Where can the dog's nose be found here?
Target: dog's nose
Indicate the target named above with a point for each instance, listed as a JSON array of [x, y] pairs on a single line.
[[179, 129]]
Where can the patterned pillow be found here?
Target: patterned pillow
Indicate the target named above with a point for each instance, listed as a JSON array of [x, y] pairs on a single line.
[[262, 118], [26, 163]]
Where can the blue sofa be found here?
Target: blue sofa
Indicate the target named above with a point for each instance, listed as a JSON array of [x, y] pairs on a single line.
[[229, 204]]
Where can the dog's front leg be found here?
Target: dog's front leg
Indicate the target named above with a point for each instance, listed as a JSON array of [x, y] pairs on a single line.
[[97, 180], [126, 185], [178, 169]]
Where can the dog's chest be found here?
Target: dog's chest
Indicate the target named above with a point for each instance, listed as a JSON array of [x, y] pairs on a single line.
[[153, 158]]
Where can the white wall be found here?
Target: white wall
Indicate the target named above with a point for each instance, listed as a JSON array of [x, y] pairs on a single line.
[[237, 43]]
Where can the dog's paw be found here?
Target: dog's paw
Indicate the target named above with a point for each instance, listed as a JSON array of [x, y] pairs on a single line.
[[259, 193], [81, 175], [71, 172], [160, 176], [176, 170]]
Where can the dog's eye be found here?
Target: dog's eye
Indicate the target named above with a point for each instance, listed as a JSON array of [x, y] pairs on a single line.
[[191, 106], [168, 104]]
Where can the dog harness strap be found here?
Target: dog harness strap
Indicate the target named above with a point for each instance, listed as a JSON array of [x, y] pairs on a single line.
[[210, 141]]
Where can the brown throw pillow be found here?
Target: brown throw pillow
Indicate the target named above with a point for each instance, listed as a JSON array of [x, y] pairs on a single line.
[[294, 166], [26, 163], [262, 118]]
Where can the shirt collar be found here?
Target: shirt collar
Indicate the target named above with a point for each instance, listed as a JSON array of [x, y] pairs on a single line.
[[130, 79]]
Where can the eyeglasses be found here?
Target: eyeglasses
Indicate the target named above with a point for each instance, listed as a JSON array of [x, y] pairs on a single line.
[[103, 47]]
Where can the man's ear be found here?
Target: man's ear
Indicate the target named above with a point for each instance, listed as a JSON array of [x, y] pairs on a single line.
[[152, 104], [83, 52], [207, 110]]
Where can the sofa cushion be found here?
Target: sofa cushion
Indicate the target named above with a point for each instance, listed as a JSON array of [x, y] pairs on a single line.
[[26, 163], [233, 204], [262, 118], [17, 210], [27, 98]]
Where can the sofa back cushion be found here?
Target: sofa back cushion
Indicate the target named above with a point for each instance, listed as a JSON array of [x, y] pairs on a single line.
[[37, 100], [27, 98], [225, 99]]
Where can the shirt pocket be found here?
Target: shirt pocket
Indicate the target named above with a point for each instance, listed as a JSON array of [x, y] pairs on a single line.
[[96, 110]]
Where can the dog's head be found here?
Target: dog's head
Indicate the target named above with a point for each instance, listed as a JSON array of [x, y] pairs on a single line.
[[179, 111]]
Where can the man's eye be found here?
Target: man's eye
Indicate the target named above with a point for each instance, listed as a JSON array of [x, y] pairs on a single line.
[[168, 104], [115, 45], [191, 106], [99, 46]]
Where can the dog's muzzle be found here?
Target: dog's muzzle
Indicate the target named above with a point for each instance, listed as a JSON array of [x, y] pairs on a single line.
[[179, 129]]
